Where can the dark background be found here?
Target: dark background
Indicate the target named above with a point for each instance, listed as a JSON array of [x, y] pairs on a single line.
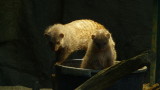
[[25, 57]]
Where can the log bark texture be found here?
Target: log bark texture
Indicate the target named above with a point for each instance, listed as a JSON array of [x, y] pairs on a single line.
[[107, 77]]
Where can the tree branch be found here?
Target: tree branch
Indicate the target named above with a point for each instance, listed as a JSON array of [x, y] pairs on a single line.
[[109, 76]]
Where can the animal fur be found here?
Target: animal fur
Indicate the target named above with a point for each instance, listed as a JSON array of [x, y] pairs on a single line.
[[71, 37], [101, 51]]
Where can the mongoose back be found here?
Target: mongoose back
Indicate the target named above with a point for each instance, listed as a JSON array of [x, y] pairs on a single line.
[[67, 38]]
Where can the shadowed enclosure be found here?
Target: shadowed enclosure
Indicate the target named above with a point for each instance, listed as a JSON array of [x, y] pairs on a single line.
[[25, 56]]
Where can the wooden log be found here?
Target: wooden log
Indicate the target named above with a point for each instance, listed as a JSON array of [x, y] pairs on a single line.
[[20, 88], [158, 45], [107, 77], [153, 68]]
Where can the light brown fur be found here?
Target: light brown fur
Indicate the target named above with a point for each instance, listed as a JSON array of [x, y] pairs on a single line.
[[101, 51], [71, 37]]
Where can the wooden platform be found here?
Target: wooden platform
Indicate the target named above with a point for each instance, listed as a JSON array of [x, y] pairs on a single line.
[[18, 88]]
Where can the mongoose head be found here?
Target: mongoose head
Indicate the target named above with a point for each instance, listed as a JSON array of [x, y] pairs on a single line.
[[55, 36], [101, 39]]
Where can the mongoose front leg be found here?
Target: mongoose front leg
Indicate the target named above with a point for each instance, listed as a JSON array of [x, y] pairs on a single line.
[[62, 55]]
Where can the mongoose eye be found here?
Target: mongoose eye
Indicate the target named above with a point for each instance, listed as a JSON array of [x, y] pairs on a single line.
[[47, 36], [58, 42]]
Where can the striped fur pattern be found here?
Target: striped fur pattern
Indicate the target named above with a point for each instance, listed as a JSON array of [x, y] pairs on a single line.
[[67, 38]]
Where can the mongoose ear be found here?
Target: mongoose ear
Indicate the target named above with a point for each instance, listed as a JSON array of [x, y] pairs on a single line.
[[93, 36], [46, 34], [108, 36], [61, 35]]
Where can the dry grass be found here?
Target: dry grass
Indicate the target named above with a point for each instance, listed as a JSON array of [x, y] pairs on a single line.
[[14, 88]]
